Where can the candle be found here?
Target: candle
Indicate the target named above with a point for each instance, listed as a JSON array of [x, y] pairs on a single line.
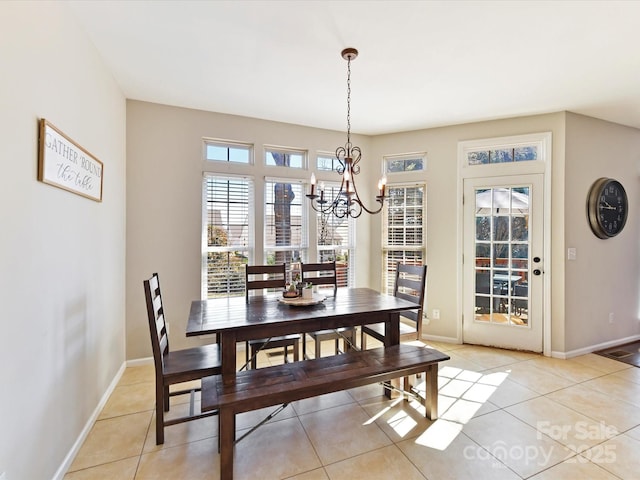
[[313, 183], [381, 185]]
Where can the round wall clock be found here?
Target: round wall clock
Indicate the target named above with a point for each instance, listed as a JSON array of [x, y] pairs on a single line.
[[607, 207]]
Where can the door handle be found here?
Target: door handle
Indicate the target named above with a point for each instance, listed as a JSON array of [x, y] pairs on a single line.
[[537, 271]]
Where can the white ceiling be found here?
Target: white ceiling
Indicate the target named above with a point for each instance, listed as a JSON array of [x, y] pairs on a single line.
[[421, 64]]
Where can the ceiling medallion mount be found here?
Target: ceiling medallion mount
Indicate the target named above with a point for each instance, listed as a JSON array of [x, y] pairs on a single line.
[[349, 54], [346, 203]]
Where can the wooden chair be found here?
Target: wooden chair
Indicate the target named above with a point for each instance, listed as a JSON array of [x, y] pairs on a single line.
[[410, 285], [255, 281], [324, 274], [173, 367]]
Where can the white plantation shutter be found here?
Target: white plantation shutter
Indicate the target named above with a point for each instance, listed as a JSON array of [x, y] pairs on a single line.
[[403, 230], [336, 240], [285, 223], [227, 234]]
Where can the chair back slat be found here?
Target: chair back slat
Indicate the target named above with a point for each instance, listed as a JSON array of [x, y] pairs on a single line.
[[254, 277], [320, 274]]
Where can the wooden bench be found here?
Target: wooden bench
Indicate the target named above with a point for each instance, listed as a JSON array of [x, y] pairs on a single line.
[[265, 387]]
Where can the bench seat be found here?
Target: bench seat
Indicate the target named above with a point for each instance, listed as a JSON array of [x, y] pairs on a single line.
[[255, 389]]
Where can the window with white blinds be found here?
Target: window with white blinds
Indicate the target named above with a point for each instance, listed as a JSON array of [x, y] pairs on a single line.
[[227, 234], [403, 230], [284, 223], [336, 240]]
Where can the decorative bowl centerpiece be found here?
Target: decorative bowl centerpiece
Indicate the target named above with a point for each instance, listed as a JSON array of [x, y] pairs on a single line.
[[290, 292]]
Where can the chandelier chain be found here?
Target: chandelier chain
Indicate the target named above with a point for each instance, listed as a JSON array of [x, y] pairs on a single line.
[[349, 102]]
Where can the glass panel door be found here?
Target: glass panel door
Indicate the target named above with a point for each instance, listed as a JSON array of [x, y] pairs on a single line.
[[502, 282]]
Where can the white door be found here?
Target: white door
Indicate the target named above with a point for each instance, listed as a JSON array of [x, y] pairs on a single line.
[[503, 262]]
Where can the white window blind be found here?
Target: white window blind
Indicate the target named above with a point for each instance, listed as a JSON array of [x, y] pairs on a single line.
[[336, 240], [227, 234], [403, 230], [285, 222]]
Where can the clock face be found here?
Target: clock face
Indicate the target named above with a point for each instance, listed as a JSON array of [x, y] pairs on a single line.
[[607, 207]]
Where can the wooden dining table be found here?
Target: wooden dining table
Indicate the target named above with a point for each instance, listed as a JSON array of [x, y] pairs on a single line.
[[234, 320]]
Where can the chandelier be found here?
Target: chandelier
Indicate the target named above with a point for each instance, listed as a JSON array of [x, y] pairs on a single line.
[[346, 203]]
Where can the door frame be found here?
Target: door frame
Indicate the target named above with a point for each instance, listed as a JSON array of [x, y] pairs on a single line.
[[542, 165]]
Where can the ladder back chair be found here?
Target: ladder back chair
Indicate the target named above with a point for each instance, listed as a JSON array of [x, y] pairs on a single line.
[[324, 274], [174, 367], [277, 278], [410, 285]]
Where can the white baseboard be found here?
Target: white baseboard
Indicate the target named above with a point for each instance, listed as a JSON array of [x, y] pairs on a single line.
[[439, 338], [138, 362], [594, 348], [68, 460]]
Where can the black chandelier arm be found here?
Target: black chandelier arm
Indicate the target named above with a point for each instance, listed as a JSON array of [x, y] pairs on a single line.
[[341, 156], [356, 155], [345, 204], [338, 207], [362, 206]]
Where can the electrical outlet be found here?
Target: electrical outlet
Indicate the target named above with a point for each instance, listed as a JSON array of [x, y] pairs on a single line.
[[435, 314], [611, 317]]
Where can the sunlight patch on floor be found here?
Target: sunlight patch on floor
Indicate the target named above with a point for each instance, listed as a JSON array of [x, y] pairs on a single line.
[[461, 394]]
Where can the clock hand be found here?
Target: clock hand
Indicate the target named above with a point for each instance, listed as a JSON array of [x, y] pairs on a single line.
[[607, 207]]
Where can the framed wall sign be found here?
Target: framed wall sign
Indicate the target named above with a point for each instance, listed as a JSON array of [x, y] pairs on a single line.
[[65, 164]]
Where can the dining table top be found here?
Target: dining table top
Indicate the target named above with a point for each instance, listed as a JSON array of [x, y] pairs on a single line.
[[235, 314]]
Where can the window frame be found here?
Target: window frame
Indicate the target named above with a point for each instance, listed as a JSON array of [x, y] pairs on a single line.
[[388, 270], [206, 249], [304, 162], [228, 145], [350, 246], [386, 159], [303, 247]]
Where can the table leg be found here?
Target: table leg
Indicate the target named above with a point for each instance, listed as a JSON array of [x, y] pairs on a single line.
[[392, 337], [392, 330], [226, 418], [431, 390], [228, 353]]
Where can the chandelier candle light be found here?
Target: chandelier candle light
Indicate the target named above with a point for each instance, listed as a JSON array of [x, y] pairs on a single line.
[[347, 202]]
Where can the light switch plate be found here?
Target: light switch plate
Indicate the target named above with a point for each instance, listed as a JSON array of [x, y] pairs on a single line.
[[571, 253]]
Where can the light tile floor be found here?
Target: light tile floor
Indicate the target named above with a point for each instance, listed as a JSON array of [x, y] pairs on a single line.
[[503, 415]]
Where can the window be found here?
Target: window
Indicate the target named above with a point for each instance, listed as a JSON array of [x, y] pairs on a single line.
[[284, 158], [327, 163], [404, 163], [284, 222], [403, 230], [336, 240], [219, 152], [227, 235], [503, 155]]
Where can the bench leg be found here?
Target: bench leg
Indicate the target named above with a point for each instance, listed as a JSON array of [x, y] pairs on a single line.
[[226, 418], [431, 390]]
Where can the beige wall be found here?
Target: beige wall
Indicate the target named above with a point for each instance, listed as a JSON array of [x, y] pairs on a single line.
[[63, 258], [605, 277], [441, 176]]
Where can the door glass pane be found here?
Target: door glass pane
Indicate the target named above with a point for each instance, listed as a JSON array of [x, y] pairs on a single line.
[[502, 245], [483, 228]]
